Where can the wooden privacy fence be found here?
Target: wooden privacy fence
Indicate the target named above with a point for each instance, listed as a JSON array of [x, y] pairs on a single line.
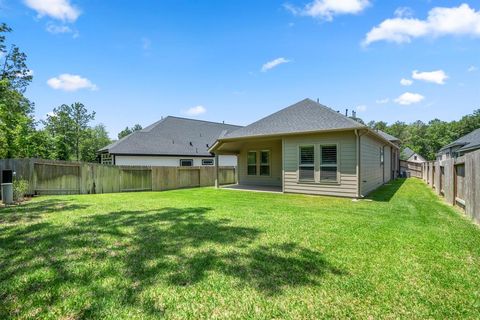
[[411, 169], [64, 177], [458, 181]]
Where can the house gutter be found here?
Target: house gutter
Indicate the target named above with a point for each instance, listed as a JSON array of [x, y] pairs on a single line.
[[358, 162]]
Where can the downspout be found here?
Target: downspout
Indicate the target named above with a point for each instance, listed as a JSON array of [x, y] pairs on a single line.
[[358, 162]]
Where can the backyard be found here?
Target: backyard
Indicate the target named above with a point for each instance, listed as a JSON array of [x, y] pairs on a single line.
[[207, 253]]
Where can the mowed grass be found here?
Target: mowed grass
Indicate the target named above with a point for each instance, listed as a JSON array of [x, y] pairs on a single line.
[[206, 253]]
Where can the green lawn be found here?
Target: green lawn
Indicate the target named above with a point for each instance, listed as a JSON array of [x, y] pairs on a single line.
[[206, 253]]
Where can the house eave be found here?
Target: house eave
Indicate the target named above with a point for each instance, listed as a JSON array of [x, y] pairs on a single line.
[[279, 135], [163, 155]]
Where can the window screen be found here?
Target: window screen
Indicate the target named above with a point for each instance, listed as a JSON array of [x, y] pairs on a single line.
[[207, 162], [328, 163], [265, 163], [306, 167], [252, 163], [186, 162]]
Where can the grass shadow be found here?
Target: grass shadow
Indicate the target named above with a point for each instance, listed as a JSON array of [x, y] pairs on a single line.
[[387, 192], [139, 250], [33, 210]]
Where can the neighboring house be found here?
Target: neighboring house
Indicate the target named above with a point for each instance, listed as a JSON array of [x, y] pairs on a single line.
[[409, 155], [465, 144], [171, 141], [312, 149]]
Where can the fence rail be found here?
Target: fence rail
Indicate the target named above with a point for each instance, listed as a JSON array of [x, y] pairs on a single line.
[[64, 177], [411, 169], [458, 181]]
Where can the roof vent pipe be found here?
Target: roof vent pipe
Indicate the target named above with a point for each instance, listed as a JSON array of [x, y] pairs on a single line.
[[346, 112], [191, 144]]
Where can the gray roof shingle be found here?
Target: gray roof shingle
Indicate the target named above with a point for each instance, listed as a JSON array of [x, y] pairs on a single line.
[[387, 136], [406, 153], [467, 142], [304, 116], [172, 136]]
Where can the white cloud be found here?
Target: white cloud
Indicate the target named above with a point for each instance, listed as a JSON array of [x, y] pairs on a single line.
[[382, 101], [441, 21], [472, 69], [28, 73], [327, 9], [55, 29], [409, 98], [57, 9], [70, 82], [274, 63], [406, 82], [362, 108], [438, 76], [403, 12], [195, 111]]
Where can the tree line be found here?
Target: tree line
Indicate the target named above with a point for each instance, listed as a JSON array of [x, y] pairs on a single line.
[[428, 138], [67, 133]]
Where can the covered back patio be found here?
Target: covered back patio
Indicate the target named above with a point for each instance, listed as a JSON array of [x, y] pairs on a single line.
[[259, 163]]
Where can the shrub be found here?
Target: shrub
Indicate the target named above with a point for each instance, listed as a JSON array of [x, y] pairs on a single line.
[[20, 188]]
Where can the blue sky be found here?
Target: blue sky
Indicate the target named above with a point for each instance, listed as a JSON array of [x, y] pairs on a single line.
[[237, 61]]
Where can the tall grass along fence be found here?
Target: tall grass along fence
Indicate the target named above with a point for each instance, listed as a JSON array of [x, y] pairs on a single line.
[[411, 169], [63, 177], [458, 181]]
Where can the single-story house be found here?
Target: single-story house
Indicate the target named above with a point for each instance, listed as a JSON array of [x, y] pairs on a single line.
[[409, 155], [467, 143], [309, 148], [172, 141]]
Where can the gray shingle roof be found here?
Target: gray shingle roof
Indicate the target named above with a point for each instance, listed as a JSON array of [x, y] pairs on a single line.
[[387, 136], [304, 116], [406, 153], [467, 142], [172, 136]]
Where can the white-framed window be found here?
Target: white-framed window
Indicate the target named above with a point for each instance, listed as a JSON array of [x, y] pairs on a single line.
[[328, 163], [306, 163], [106, 158], [265, 162], [252, 163], [207, 162], [186, 162]]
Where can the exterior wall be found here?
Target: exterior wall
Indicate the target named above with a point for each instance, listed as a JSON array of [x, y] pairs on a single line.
[[347, 185], [164, 161], [387, 168], [419, 159], [372, 171], [275, 178]]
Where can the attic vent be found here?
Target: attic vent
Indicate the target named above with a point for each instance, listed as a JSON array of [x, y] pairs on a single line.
[[191, 144]]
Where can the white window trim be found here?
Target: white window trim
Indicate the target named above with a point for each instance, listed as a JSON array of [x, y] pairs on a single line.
[[328, 165], [306, 165], [213, 162], [186, 160]]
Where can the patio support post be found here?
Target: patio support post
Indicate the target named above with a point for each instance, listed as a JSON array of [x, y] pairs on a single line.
[[216, 171]]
